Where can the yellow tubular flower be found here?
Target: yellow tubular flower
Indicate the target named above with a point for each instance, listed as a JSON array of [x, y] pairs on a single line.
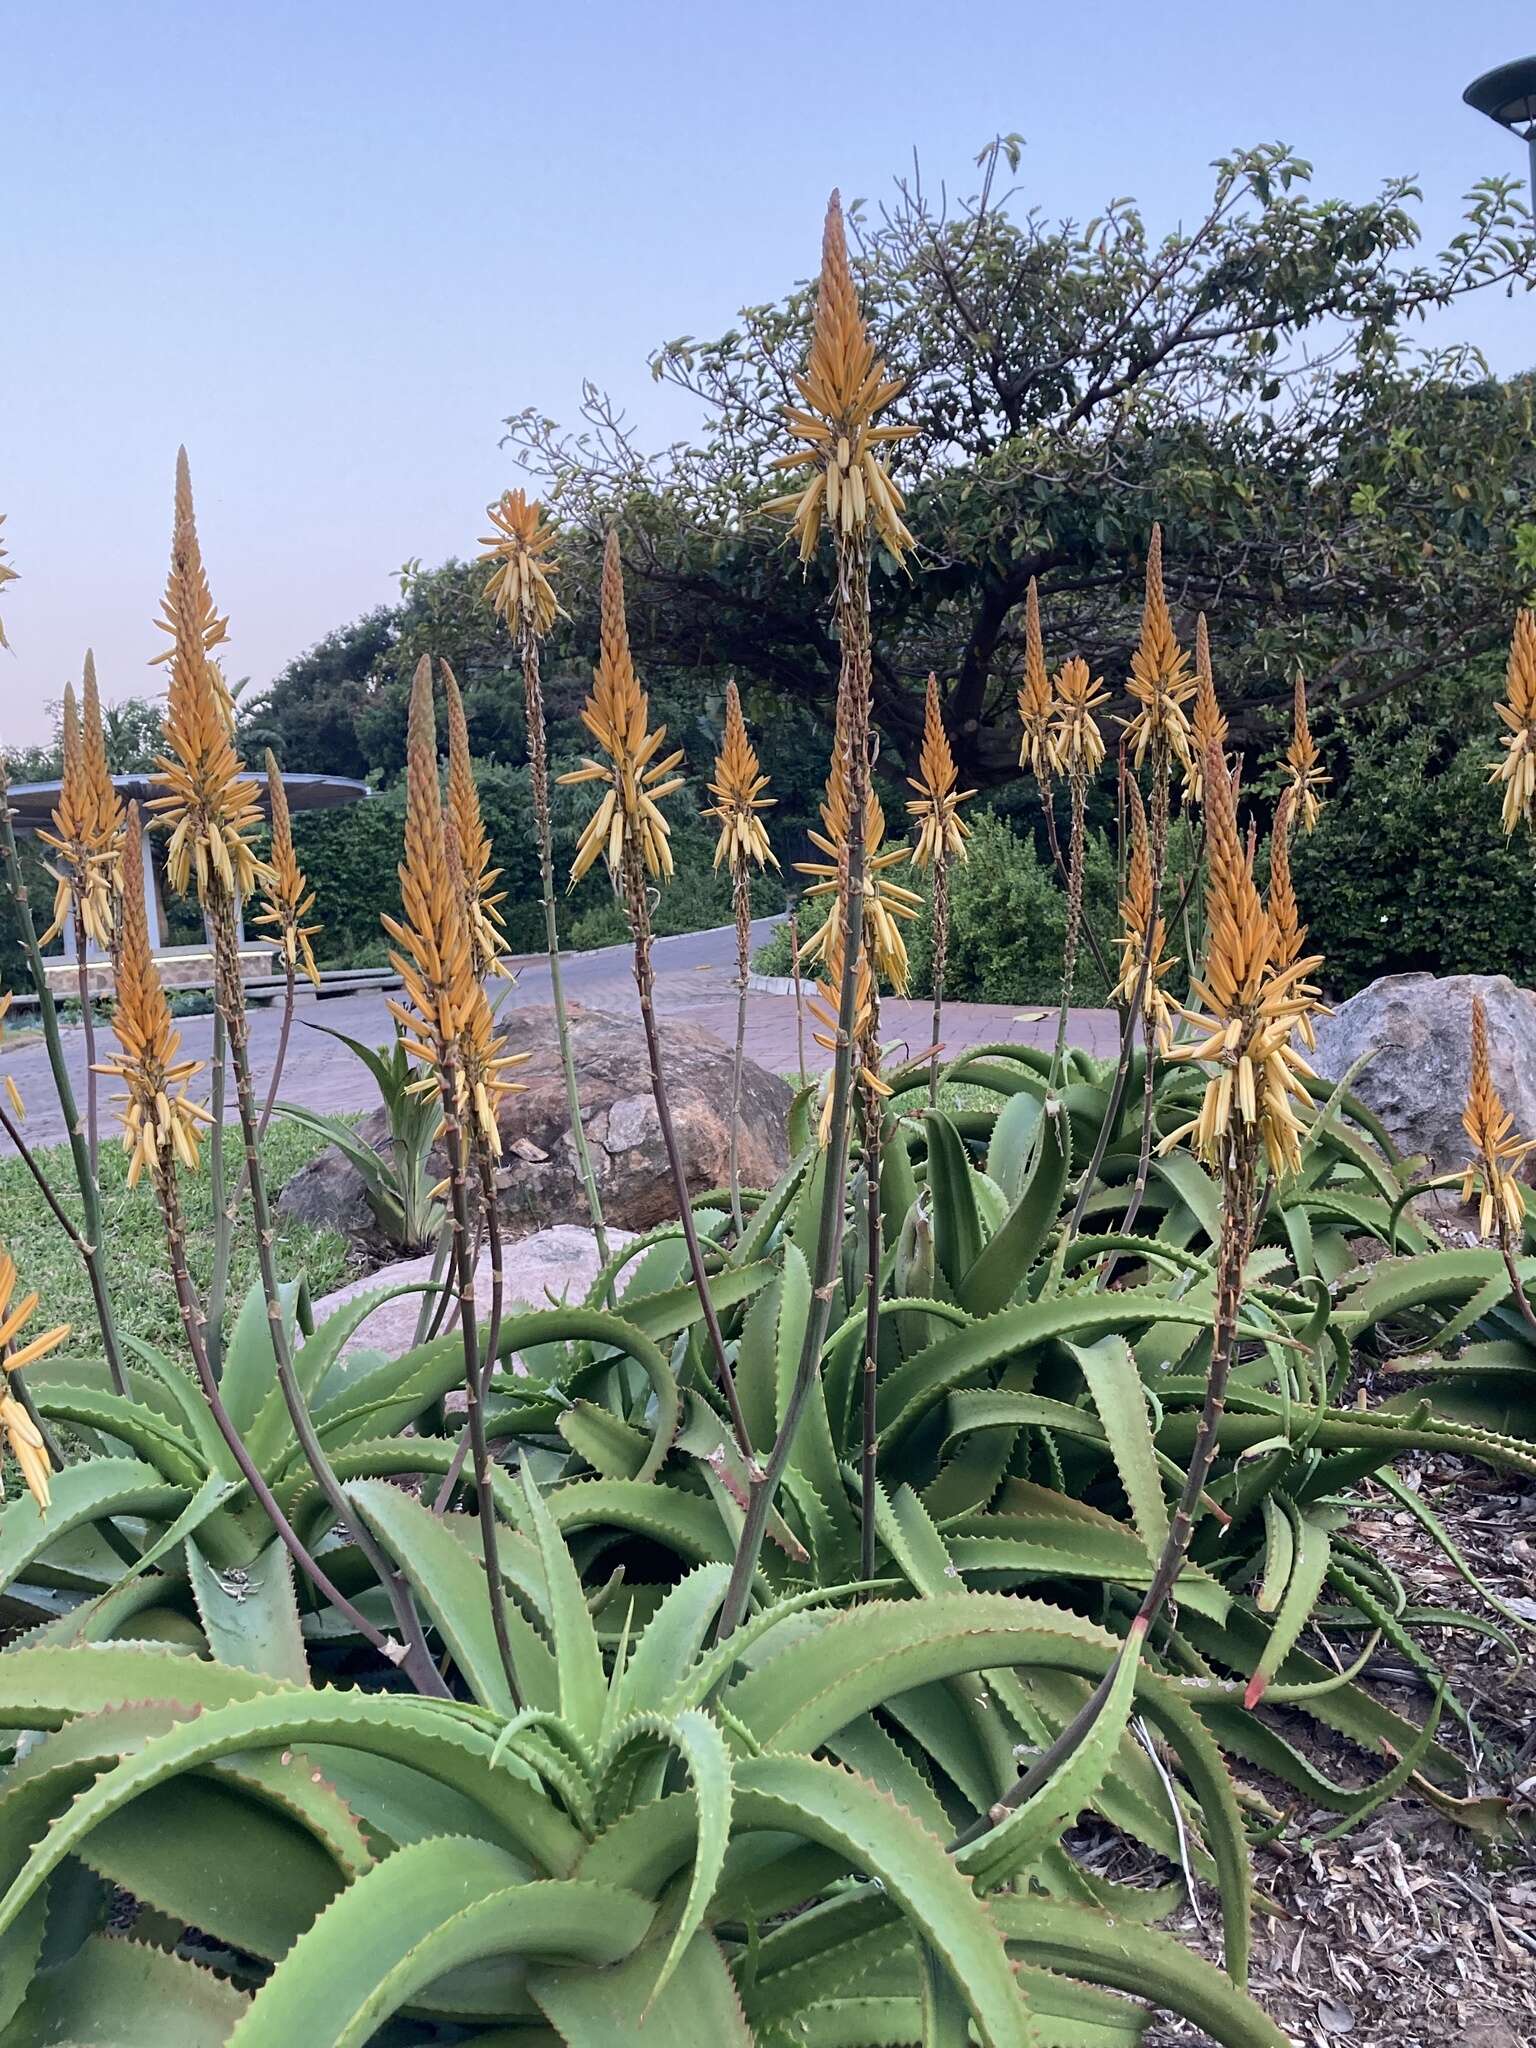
[[83, 875], [211, 807], [445, 1022], [287, 898], [7, 575], [1208, 722], [1248, 1006], [1160, 682], [885, 901], [1137, 920], [1075, 744], [823, 1006], [160, 1124], [617, 714], [519, 589], [105, 803], [1037, 708], [22, 1436], [738, 792], [482, 899], [845, 388], [481, 1063], [24, 1441], [941, 829], [1305, 763], [1517, 770], [432, 947], [1488, 1125]]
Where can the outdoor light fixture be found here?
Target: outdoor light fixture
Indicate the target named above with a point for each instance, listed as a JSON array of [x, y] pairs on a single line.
[[1508, 96]]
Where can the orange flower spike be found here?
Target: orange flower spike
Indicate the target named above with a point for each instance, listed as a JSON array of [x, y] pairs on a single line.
[[844, 390], [1037, 707], [22, 1437], [1208, 722], [1517, 770], [738, 789], [519, 588], [210, 806], [941, 829], [1136, 921], [1245, 1007], [885, 901], [287, 898], [1076, 745], [1307, 781], [482, 899], [1491, 1174], [1160, 682], [617, 715], [84, 871], [160, 1122]]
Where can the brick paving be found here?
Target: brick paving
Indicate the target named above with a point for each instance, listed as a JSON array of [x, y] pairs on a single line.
[[694, 979]]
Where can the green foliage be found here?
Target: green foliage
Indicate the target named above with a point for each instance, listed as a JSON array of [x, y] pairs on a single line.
[[134, 1243], [1106, 373], [1008, 921], [1409, 869], [351, 857], [647, 1839]]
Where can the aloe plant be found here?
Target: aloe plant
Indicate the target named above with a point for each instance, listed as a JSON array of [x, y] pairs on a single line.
[[400, 1184], [1040, 1423], [715, 1844]]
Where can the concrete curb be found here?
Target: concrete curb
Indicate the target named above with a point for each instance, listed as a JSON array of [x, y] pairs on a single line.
[[772, 984]]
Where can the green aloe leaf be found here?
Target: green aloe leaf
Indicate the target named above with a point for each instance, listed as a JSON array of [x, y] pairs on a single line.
[[249, 1613], [831, 1807], [1077, 1942], [697, 2008], [578, 1657], [697, 1740], [130, 1994], [1008, 1849], [450, 1583], [430, 1908], [1115, 1385], [82, 1493], [957, 1233], [994, 1277]]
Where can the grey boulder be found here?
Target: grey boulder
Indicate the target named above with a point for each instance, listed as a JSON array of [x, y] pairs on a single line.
[[1418, 1029]]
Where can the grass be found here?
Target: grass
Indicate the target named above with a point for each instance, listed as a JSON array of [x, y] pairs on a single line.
[[138, 1275]]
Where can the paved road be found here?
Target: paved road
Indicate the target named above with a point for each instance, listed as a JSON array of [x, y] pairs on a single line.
[[694, 979]]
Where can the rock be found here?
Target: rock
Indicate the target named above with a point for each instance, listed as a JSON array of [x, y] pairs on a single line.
[[328, 1194], [561, 1263], [1418, 1028], [539, 1180]]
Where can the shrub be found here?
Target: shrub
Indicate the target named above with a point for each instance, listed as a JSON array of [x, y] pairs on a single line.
[[1008, 917], [1409, 868]]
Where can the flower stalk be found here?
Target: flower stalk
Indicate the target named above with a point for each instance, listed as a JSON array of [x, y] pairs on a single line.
[[738, 789], [941, 838], [88, 1240], [211, 810], [287, 900], [631, 833], [844, 390], [521, 592]]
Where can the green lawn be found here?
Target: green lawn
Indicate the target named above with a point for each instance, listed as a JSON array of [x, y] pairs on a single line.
[[138, 1274]]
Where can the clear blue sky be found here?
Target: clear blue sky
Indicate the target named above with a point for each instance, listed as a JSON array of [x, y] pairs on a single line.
[[331, 245]]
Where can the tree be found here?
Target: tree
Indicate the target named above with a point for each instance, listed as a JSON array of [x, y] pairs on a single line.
[[131, 731], [1330, 493]]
